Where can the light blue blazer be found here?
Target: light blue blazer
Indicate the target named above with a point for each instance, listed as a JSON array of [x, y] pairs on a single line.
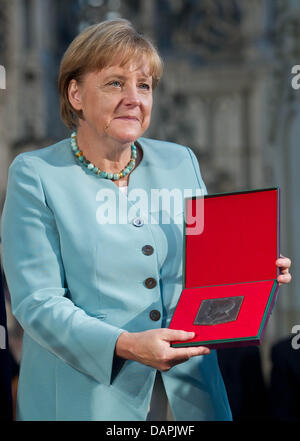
[[77, 282]]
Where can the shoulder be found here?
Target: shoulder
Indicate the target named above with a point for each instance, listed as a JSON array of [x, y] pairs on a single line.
[[52, 155], [167, 151], [174, 156], [164, 147]]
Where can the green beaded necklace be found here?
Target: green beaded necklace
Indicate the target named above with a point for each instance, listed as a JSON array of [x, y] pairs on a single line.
[[100, 173]]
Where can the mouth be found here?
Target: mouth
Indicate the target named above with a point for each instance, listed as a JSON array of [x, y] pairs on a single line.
[[128, 118]]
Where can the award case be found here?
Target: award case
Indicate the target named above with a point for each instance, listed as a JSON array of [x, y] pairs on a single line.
[[229, 271]]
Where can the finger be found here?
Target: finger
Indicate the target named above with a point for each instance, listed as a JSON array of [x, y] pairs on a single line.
[[284, 278], [198, 350], [181, 355], [283, 262], [174, 334], [186, 353]]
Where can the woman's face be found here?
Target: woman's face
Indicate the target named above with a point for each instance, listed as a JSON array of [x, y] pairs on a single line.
[[116, 101]]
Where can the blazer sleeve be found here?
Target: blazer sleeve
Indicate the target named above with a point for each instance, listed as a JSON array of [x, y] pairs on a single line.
[[35, 276], [197, 171]]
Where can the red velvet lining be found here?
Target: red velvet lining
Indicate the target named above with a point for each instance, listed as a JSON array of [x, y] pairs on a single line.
[[238, 243], [250, 316]]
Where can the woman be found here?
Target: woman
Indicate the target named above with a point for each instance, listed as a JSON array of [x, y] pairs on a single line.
[[95, 294]]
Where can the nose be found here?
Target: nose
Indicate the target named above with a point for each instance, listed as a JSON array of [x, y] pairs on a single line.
[[131, 96]]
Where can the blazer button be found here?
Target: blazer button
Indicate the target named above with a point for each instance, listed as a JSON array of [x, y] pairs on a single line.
[[137, 222], [154, 315], [150, 283], [147, 250]]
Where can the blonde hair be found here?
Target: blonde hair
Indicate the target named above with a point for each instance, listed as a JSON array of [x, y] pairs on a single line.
[[101, 45]]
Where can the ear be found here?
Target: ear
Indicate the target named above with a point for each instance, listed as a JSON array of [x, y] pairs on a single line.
[[74, 95]]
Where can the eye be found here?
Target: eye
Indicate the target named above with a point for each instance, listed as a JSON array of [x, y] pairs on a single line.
[[115, 83], [144, 86]]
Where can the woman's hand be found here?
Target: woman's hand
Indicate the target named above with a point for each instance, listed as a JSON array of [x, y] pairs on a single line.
[[284, 264], [153, 347]]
